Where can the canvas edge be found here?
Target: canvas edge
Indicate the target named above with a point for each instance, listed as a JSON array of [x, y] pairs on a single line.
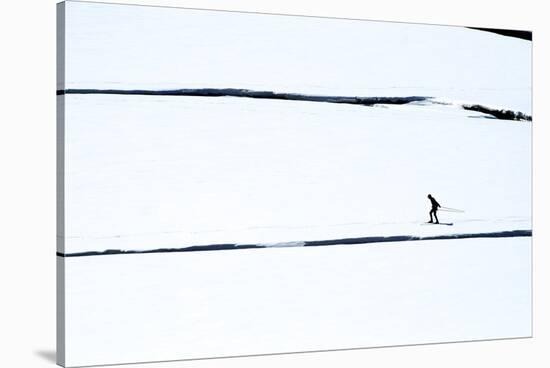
[[60, 195], [60, 184]]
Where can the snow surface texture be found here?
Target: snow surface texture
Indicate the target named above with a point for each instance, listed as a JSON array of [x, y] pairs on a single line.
[[148, 172], [111, 46], [156, 172], [208, 304]]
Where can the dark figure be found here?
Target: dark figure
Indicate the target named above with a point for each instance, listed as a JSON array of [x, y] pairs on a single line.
[[435, 206]]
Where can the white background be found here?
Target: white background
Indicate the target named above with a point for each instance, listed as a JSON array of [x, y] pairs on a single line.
[[27, 185]]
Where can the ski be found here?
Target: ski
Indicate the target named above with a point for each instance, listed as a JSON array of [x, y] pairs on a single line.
[[441, 223]]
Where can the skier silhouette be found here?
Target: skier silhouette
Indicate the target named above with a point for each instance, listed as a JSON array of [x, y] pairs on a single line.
[[435, 206]]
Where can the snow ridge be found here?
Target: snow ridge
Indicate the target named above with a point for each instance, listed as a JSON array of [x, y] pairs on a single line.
[[237, 92], [497, 113], [315, 243]]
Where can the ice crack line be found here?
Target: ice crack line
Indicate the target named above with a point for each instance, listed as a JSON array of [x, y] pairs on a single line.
[[313, 243], [247, 93]]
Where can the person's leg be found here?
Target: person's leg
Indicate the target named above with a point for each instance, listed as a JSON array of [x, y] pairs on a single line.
[[431, 219], [435, 215]]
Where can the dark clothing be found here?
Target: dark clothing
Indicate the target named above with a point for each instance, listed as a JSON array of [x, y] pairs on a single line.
[[434, 211], [435, 206]]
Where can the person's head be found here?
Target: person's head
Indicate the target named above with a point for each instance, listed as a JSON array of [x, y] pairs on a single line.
[[430, 196]]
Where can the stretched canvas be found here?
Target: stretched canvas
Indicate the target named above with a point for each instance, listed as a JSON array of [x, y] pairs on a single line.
[[234, 184]]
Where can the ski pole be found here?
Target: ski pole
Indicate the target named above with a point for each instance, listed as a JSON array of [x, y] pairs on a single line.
[[450, 209]]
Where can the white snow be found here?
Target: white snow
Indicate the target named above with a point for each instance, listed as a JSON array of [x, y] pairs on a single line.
[[154, 172], [147, 172], [205, 304], [113, 46]]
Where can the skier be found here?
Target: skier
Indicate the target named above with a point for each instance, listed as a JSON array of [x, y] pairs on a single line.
[[435, 206]]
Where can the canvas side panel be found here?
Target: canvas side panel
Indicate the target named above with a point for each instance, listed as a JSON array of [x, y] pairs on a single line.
[[60, 186]]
